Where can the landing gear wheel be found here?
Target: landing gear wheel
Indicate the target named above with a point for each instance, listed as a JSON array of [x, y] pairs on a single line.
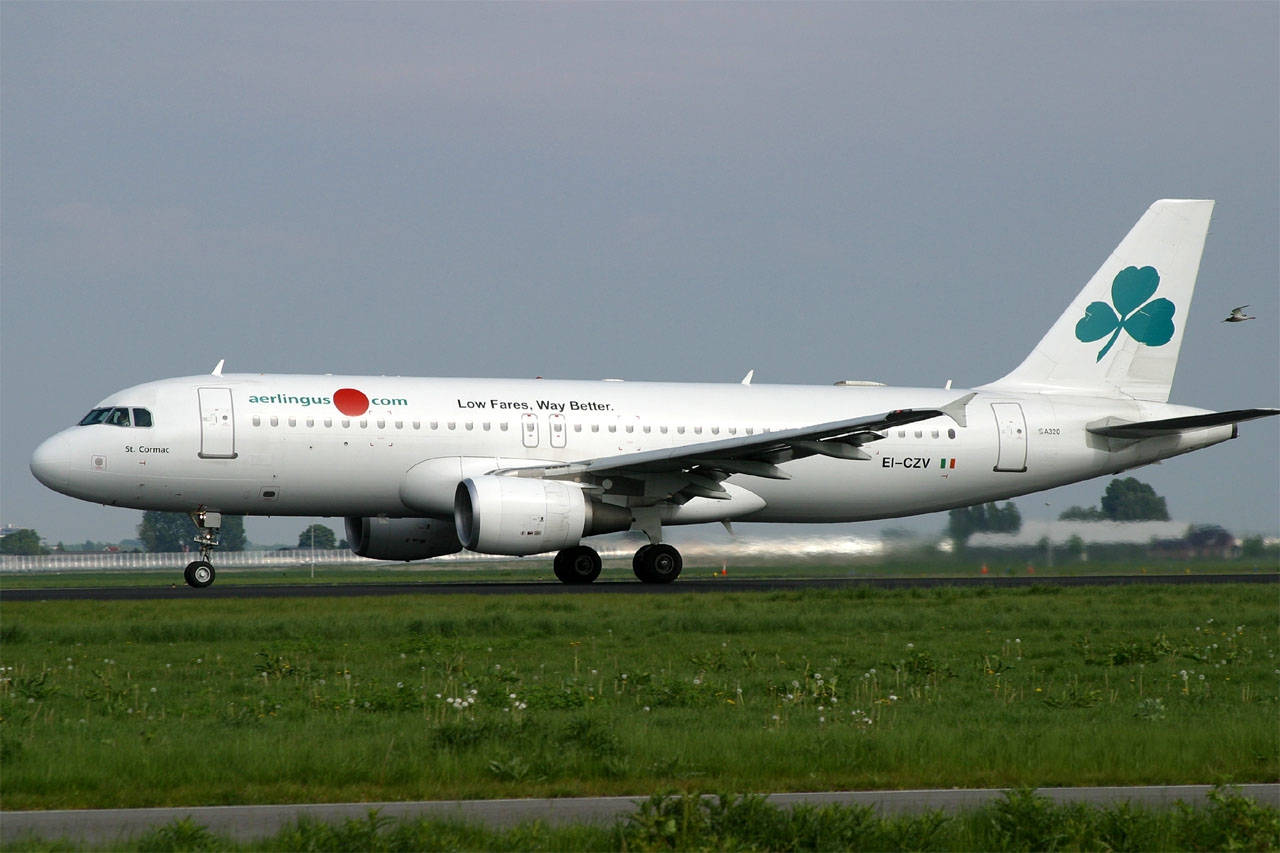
[[199, 573], [657, 564], [578, 564]]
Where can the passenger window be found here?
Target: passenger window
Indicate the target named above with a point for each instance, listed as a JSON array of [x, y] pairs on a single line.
[[733, 430], [595, 427], [364, 423], [328, 422], [613, 427], [293, 422], [452, 424], [933, 434], [417, 424], [647, 428], [951, 433], [257, 420], [435, 425], [715, 430], [346, 423], [503, 426], [919, 433], [630, 428], [311, 422], [680, 429], [902, 433], [382, 424], [485, 426], [663, 429], [697, 430], [141, 418], [469, 424], [577, 427], [275, 421], [399, 424]]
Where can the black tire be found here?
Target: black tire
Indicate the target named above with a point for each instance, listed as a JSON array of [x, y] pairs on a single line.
[[657, 564], [199, 574], [579, 564], [638, 562]]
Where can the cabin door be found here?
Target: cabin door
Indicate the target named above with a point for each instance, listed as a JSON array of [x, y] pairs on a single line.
[[1012, 427], [217, 424]]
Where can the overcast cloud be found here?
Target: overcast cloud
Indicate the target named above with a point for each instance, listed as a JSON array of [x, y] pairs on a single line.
[[902, 192]]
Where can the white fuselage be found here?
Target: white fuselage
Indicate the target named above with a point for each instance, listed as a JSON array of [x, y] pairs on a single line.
[[281, 445]]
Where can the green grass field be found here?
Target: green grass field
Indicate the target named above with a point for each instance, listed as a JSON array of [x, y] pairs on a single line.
[[419, 697]]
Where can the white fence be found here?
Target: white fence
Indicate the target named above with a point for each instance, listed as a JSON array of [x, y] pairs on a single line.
[[120, 561], [693, 549]]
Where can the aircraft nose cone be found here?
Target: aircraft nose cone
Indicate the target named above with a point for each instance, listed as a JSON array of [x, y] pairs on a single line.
[[50, 463]]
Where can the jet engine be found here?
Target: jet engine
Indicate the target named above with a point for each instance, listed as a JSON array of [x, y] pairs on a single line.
[[520, 515], [401, 538]]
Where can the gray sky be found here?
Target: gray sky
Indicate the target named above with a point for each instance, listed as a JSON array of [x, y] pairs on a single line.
[[902, 192]]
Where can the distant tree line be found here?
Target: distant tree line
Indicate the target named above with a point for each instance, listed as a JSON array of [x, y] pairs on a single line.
[[1124, 500], [166, 532], [965, 521], [24, 542]]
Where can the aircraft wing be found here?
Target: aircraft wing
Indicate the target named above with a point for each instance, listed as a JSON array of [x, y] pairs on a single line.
[[696, 470]]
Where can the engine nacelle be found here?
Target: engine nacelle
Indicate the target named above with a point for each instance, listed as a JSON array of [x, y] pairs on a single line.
[[401, 538], [521, 515]]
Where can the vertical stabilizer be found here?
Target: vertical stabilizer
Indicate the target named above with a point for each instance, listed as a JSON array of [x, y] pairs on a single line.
[[1121, 335]]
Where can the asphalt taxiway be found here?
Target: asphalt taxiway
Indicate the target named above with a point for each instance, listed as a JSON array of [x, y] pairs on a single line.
[[250, 823]]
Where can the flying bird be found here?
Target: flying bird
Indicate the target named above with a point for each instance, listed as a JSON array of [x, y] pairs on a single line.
[[1238, 315]]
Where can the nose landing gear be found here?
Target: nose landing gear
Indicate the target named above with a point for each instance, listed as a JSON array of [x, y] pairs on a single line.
[[199, 573]]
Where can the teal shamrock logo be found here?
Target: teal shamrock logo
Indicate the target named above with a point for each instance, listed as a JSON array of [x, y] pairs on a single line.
[[1150, 323]]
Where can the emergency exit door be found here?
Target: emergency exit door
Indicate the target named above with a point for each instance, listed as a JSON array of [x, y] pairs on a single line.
[[217, 424]]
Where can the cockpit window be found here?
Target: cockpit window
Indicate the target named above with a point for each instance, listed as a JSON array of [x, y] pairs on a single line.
[[117, 416]]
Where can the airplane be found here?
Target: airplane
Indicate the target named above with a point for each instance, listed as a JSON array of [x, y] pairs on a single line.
[[421, 468]]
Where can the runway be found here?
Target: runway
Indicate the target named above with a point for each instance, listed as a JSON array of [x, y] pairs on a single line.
[[250, 823], [619, 587]]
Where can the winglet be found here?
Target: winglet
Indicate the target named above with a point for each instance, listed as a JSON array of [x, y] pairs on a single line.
[[217, 371], [955, 409], [746, 380]]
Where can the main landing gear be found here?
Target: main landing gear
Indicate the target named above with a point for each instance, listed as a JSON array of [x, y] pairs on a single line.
[[199, 573], [656, 563]]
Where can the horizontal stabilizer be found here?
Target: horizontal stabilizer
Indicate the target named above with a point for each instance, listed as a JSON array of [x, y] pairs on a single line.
[[1171, 426]]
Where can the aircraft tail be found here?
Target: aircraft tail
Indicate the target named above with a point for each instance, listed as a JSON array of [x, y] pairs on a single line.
[[1121, 335]]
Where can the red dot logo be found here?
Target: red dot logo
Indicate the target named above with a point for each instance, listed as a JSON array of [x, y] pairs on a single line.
[[350, 401]]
